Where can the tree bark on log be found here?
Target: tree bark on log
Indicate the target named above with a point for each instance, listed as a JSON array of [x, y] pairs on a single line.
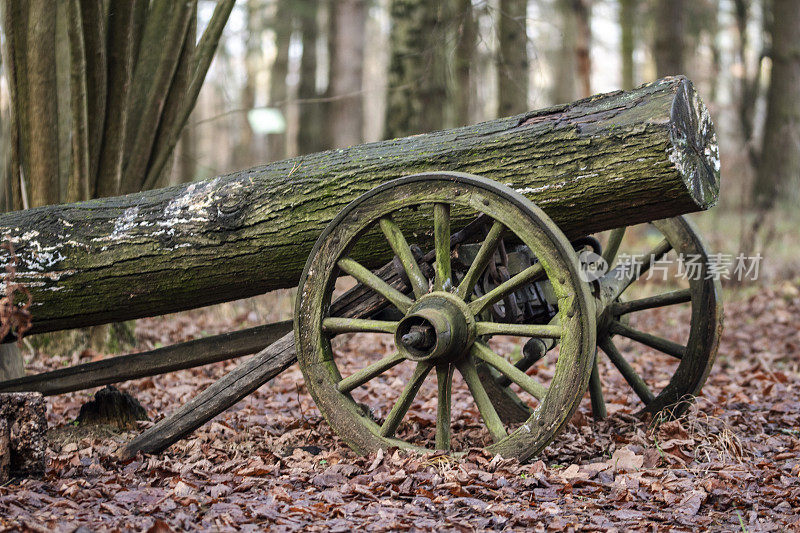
[[611, 160]]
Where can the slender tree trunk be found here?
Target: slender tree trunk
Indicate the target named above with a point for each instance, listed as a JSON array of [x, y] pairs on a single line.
[[583, 44], [35, 139], [186, 158], [174, 103], [80, 180], [346, 118], [512, 60], [310, 132], [464, 91], [41, 106], [779, 171], [122, 44], [565, 63], [165, 35], [419, 68], [670, 42], [244, 152], [278, 90], [627, 23]]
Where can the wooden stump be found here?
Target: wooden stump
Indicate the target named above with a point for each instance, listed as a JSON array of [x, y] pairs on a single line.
[[22, 435], [112, 407]]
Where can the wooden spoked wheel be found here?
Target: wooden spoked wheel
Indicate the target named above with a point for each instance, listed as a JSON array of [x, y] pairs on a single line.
[[439, 332], [693, 352]]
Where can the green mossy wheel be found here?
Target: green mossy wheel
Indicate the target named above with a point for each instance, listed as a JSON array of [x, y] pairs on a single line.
[[439, 332], [701, 291]]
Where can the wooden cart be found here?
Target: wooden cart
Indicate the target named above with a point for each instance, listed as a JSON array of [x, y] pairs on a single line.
[[442, 261]]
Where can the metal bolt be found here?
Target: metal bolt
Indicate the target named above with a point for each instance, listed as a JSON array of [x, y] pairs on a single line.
[[414, 339]]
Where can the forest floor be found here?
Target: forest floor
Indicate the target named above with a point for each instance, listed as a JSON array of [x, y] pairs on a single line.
[[732, 463]]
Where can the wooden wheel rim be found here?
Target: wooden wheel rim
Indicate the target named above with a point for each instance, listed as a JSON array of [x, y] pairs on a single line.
[[706, 322], [502, 204]]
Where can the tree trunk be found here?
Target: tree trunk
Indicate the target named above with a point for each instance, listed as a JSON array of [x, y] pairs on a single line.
[[418, 70], [512, 61], [616, 159], [310, 136], [670, 38], [780, 156], [565, 63], [346, 118], [627, 21], [583, 44], [78, 69], [278, 90], [39, 106], [464, 93]]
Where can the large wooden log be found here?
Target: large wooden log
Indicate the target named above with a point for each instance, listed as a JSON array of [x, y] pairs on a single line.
[[610, 160]]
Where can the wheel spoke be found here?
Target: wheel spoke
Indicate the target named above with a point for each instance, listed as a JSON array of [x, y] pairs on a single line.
[[482, 258], [658, 343], [655, 255], [444, 380], [596, 391], [441, 233], [612, 247], [634, 380], [337, 325], [651, 302], [499, 292], [403, 251], [623, 275], [402, 404], [482, 401], [528, 384], [356, 379], [519, 330], [365, 276]]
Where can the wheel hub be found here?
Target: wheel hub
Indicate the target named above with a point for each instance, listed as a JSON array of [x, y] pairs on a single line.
[[438, 328]]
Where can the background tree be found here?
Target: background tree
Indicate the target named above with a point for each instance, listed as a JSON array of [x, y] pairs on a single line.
[[466, 35], [512, 57], [278, 89], [669, 37], [135, 59], [627, 23], [418, 69], [779, 170], [310, 136], [346, 119], [133, 72], [573, 65]]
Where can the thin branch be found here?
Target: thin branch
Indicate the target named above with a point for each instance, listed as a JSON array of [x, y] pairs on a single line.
[[78, 184]]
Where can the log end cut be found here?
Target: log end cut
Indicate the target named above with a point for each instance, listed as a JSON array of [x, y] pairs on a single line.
[[694, 150]]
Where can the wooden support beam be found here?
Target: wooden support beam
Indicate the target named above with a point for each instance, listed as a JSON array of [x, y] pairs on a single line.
[[151, 363]]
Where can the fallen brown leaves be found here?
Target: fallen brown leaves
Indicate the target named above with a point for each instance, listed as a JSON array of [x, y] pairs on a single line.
[[731, 464]]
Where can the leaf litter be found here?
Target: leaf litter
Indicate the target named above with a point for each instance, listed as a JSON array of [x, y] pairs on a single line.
[[731, 463]]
